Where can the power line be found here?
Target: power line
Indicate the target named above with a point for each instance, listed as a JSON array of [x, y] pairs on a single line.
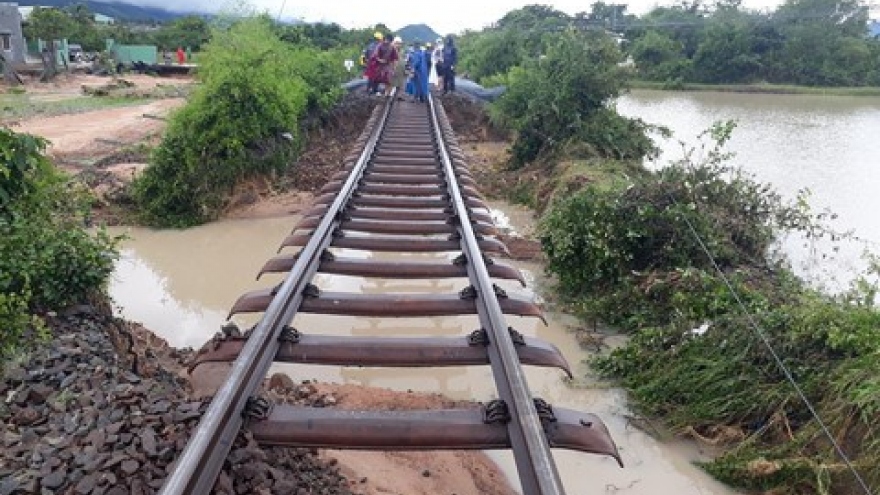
[[281, 10], [779, 362]]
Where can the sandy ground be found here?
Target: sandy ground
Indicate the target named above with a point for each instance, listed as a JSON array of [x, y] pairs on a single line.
[[91, 135], [412, 473], [77, 140], [390, 473]]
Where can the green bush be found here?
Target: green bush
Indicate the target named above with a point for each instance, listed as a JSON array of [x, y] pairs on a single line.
[[630, 256], [563, 97], [15, 320], [48, 260], [243, 121], [625, 253]]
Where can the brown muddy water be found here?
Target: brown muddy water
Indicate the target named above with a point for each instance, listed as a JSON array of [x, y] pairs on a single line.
[[180, 284]]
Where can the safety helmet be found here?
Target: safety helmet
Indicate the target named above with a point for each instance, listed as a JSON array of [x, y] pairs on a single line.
[[378, 35]]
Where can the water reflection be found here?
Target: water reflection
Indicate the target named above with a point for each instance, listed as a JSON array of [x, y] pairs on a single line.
[[181, 283]]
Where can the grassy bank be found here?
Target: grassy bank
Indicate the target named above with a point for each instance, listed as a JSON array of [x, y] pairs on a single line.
[[23, 106], [762, 88], [622, 246]]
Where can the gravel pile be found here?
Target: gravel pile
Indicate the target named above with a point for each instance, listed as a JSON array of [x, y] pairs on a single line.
[[100, 410]]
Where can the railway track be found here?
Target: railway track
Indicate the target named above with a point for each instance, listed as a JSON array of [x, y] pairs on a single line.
[[406, 189]]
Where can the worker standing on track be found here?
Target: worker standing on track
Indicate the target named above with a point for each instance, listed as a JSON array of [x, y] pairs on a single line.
[[450, 60], [380, 68], [367, 59], [399, 79], [421, 64], [436, 76]]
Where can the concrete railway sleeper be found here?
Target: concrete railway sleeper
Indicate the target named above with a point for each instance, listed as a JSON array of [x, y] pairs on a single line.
[[406, 189]]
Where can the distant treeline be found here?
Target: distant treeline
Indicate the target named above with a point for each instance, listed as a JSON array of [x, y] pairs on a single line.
[[806, 42]]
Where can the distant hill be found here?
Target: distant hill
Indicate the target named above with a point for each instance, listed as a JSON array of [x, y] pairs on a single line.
[[119, 11], [417, 32]]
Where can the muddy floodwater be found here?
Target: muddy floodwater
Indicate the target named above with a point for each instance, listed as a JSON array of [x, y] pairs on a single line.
[[180, 284]]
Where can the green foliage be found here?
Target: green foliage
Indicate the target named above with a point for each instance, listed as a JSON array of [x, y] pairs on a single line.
[[50, 24], [16, 320], [20, 159], [243, 121], [659, 57], [630, 256], [562, 97], [187, 32], [491, 54], [633, 247], [521, 36], [47, 258], [807, 42]]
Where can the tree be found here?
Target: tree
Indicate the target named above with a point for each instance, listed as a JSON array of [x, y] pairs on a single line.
[[491, 53], [608, 16], [244, 120], [561, 98], [683, 23], [86, 31], [190, 31], [825, 43], [49, 25], [533, 17], [727, 52], [659, 57]]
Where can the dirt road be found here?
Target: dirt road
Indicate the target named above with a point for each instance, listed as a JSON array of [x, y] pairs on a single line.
[[89, 135]]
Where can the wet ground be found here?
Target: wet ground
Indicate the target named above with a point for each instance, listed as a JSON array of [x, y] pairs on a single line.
[[181, 283]]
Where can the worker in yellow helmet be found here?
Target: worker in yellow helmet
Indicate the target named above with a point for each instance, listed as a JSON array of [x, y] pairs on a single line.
[[365, 55]]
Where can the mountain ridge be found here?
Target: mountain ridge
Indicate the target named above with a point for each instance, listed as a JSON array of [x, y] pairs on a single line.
[[119, 11], [417, 32]]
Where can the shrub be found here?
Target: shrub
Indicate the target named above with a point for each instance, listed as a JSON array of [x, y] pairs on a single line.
[[564, 96], [48, 260], [244, 120], [624, 253], [636, 256]]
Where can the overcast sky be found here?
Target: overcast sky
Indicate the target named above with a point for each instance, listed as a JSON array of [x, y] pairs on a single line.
[[444, 16]]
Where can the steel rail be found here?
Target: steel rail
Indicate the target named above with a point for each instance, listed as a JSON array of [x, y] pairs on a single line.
[[201, 461], [535, 465]]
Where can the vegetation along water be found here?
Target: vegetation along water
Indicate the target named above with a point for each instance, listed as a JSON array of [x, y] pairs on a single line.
[[681, 259]]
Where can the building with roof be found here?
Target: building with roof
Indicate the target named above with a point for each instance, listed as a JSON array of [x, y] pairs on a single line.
[[104, 19], [12, 45]]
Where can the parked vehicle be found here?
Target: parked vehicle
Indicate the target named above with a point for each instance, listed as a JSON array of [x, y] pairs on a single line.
[[75, 52]]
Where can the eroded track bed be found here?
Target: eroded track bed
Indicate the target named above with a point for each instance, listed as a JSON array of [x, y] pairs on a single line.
[[405, 189]]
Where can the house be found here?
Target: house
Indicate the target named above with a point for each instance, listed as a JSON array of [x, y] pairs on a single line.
[[104, 19], [11, 40]]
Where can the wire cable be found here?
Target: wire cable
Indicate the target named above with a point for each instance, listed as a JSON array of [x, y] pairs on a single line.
[[766, 341], [281, 10]]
